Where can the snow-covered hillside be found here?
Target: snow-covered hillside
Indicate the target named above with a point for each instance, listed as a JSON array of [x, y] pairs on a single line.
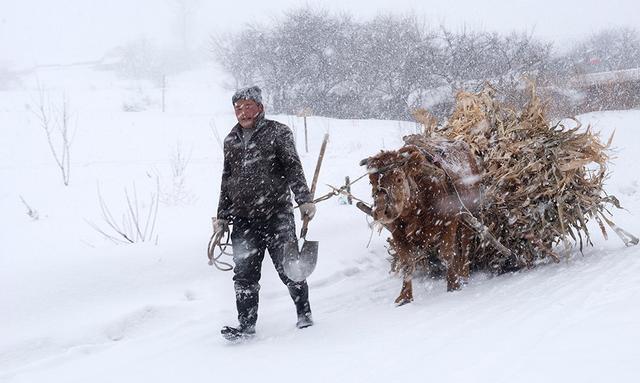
[[79, 308]]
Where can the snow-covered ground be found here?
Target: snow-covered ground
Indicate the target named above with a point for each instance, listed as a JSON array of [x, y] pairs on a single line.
[[79, 308]]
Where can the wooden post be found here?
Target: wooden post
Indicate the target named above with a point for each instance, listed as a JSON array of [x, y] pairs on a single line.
[[304, 113], [347, 182]]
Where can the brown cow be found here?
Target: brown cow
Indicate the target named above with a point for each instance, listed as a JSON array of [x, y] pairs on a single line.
[[419, 194]]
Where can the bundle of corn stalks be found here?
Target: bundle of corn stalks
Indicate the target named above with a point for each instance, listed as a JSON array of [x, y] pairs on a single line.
[[542, 182]]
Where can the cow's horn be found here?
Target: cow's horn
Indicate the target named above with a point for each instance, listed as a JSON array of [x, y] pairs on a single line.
[[364, 162]]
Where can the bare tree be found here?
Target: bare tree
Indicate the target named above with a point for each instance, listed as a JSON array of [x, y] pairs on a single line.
[[241, 54], [144, 59], [382, 68], [607, 50], [55, 122]]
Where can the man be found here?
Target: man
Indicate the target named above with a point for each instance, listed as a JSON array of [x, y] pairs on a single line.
[[261, 168]]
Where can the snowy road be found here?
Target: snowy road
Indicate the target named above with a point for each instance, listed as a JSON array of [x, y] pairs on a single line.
[[77, 308]]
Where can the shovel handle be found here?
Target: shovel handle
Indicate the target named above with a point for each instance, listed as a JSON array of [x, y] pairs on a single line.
[[305, 219], [305, 226], [318, 164]]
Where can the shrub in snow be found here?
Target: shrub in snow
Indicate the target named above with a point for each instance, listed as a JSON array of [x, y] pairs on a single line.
[[138, 101], [31, 212], [137, 220], [177, 192]]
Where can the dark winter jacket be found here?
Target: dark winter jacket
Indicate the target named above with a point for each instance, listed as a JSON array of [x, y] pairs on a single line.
[[258, 178]]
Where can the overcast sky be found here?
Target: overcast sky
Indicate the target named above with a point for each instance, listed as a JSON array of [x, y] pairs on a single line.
[[60, 31]]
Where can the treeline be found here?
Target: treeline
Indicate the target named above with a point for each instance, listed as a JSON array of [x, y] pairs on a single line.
[[383, 68]]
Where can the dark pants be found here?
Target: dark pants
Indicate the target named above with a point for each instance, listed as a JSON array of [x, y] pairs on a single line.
[[250, 238]]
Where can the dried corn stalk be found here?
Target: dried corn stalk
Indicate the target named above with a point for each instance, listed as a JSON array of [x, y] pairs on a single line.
[[542, 182]]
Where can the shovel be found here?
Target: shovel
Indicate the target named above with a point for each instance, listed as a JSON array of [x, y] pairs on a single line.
[[298, 264]]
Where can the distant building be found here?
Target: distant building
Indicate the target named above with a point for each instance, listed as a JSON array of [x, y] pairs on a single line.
[[610, 90]]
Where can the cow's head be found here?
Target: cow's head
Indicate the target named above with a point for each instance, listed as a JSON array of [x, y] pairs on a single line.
[[390, 185]]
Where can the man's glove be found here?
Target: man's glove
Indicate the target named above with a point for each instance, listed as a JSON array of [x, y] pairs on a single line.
[[308, 209], [220, 225]]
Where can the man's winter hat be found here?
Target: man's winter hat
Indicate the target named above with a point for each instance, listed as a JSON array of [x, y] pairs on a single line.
[[251, 93]]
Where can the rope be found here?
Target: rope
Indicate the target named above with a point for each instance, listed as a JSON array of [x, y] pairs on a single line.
[[471, 219], [341, 190], [216, 240]]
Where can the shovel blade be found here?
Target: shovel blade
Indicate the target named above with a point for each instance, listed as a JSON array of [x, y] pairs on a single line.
[[299, 264]]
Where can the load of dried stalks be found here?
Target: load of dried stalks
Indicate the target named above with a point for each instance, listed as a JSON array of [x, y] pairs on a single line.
[[542, 182]]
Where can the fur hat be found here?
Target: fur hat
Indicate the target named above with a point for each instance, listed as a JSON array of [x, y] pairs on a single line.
[[251, 93]]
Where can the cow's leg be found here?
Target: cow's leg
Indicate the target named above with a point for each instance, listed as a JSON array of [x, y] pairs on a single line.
[[406, 262], [406, 294], [449, 254], [463, 259]]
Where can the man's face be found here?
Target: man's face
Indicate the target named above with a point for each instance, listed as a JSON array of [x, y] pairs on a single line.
[[246, 112]]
